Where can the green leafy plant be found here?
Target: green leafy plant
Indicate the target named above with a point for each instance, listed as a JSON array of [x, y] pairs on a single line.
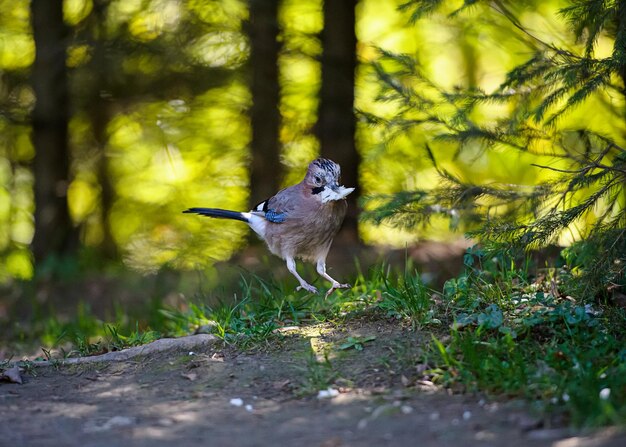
[[357, 343], [584, 167], [566, 357]]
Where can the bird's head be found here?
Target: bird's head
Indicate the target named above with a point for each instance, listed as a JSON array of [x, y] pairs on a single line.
[[323, 178]]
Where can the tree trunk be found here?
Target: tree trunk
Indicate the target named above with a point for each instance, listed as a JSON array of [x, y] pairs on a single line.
[[336, 122], [100, 115], [54, 232], [264, 114]]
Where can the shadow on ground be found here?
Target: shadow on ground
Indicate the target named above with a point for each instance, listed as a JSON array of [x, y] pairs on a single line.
[[224, 396]]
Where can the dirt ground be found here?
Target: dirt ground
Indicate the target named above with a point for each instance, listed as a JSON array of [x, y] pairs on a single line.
[[222, 396]]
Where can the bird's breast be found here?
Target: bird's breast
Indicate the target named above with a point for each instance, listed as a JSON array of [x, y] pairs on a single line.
[[306, 231]]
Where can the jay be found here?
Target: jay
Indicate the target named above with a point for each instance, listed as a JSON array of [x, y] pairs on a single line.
[[300, 221]]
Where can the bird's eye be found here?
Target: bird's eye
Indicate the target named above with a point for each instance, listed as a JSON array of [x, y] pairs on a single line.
[[318, 179]]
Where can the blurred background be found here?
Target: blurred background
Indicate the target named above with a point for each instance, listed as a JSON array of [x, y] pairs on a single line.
[[115, 115]]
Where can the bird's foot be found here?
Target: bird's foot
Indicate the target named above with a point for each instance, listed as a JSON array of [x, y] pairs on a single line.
[[336, 286], [307, 287]]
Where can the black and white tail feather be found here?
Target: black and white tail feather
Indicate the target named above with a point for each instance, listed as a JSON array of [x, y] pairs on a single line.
[[220, 213], [257, 218]]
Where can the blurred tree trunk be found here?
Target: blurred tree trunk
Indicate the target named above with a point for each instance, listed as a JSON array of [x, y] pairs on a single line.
[[99, 108], [54, 232], [264, 114], [336, 122], [99, 121]]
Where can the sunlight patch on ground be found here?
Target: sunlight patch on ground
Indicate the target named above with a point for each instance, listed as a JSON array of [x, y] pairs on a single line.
[[70, 409], [348, 398], [121, 391]]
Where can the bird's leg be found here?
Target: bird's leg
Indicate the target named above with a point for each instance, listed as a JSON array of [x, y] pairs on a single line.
[[321, 269], [291, 266]]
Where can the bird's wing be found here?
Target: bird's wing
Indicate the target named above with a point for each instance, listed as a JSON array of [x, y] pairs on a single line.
[[278, 208]]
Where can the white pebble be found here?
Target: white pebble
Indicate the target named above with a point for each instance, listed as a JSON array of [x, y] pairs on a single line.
[[249, 408], [467, 415], [237, 402], [605, 393], [406, 409], [327, 394]]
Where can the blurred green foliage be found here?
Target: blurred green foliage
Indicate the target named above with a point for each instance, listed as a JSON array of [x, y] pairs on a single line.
[[544, 145], [169, 76]]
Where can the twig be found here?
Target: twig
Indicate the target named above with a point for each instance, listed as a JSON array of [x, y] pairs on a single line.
[[187, 343]]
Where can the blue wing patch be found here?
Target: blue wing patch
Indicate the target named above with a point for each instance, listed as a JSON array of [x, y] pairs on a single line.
[[274, 217]]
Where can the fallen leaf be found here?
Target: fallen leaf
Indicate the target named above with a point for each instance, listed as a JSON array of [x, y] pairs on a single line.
[[426, 386], [279, 385], [404, 380], [332, 442], [190, 376], [12, 375]]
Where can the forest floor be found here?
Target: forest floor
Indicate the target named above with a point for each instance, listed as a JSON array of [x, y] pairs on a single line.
[[221, 395]]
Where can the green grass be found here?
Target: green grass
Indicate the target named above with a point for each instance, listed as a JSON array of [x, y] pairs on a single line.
[[110, 340], [407, 297], [315, 375], [514, 337], [494, 329]]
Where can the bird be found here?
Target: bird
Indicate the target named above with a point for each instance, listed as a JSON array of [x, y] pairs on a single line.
[[300, 221]]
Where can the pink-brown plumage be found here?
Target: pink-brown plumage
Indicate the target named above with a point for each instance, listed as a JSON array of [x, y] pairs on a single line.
[[299, 222]]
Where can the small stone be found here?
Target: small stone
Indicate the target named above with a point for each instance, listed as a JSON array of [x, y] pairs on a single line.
[[328, 393], [406, 409], [165, 422], [605, 393]]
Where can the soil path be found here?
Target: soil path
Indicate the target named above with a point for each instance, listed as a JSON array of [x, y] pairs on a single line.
[[224, 397]]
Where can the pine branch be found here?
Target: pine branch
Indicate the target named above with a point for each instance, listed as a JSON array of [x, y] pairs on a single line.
[[420, 8], [586, 188]]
